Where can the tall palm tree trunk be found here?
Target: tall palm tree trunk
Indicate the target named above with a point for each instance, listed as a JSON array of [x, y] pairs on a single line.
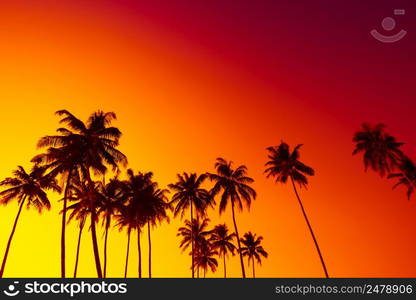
[[95, 244], [68, 180], [6, 253], [127, 253], [93, 229], [225, 268], [150, 249], [238, 242], [139, 248], [254, 273], [107, 226], [81, 226], [192, 243], [310, 229]]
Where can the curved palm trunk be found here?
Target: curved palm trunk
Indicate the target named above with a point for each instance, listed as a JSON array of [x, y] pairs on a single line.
[[107, 226], [64, 224], [150, 249], [238, 242], [225, 268], [78, 248], [127, 254], [6, 253], [139, 248], [192, 244], [310, 229]]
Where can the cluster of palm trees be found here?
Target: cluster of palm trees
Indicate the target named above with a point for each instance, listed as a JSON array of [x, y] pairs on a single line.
[[76, 160]]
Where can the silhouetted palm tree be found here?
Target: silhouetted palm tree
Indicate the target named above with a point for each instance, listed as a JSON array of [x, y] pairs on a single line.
[[154, 210], [82, 147], [283, 165], [136, 188], [406, 176], [29, 188], [189, 194], [381, 151], [222, 242], [252, 249], [113, 196], [127, 218], [193, 234], [234, 185], [205, 257]]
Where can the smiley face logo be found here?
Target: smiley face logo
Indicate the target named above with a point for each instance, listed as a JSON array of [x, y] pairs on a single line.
[[11, 290], [388, 25]]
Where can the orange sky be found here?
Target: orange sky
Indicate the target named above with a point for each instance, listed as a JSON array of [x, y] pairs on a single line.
[[179, 107]]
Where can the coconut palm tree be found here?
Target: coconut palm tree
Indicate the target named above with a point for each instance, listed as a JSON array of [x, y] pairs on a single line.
[[252, 249], [233, 184], [205, 257], [113, 196], [189, 193], [127, 219], [154, 210], [82, 147], [222, 242], [193, 234], [284, 164], [406, 176], [27, 188], [381, 151], [136, 188]]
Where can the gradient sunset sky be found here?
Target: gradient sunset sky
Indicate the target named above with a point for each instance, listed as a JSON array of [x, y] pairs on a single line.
[[194, 80]]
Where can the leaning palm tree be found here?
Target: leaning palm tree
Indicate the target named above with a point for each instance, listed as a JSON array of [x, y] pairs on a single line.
[[252, 249], [381, 151], [27, 188], [222, 242], [283, 165], [233, 184], [112, 197], [205, 257], [189, 193], [406, 176], [82, 147], [193, 234]]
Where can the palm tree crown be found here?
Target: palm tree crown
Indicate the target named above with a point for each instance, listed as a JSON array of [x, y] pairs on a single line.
[[29, 186], [381, 151], [284, 164], [188, 192]]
